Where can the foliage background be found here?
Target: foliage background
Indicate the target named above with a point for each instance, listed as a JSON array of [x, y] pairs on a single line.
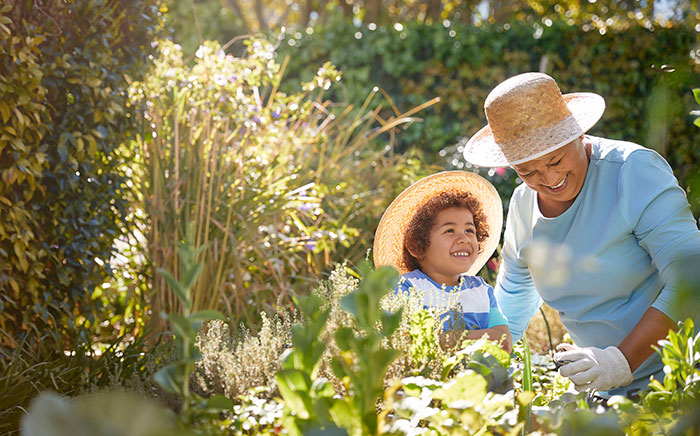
[[63, 189], [73, 275], [462, 63]]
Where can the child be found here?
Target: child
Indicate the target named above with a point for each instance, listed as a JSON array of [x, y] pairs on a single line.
[[438, 233]]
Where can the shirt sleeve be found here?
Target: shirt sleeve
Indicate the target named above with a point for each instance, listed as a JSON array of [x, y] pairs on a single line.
[[515, 290], [403, 286], [495, 315], [656, 209]]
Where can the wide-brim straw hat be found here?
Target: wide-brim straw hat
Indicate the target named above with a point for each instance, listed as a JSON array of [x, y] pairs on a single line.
[[529, 117], [389, 237]]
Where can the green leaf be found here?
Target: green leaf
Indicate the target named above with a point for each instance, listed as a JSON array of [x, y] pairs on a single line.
[[696, 93], [391, 321], [182, 327], [468, 386], [171, 378], [293, 387], [181, 292], [343, 338], [207, 315], [219, 402]]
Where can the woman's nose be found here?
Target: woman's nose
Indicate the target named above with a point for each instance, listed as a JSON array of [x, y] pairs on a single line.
[[549, 178]]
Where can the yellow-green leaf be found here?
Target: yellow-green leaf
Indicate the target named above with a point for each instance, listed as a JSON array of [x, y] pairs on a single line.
[[14, 285], [4, 111]]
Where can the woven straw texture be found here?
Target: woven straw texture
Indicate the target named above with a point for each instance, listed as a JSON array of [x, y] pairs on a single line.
[[389, 237], [528, 117]]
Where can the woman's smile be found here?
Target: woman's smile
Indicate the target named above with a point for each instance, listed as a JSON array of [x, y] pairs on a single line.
[[559, 186]]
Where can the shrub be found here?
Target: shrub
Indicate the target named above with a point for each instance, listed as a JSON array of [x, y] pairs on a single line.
[[273, 182], [461, 64], [62, 190]]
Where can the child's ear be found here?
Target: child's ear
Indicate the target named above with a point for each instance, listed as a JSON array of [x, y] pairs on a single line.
[[413, 252]]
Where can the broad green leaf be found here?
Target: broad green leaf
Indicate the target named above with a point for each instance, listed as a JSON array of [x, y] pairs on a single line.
[[170, 378], [468, 386], [293, 388], [219, 402], [207, 315], [181, 293]]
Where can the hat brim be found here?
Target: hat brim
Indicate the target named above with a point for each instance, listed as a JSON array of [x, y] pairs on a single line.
[[389, 237], [586, 108]]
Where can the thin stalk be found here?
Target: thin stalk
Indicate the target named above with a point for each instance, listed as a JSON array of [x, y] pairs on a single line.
[[527, 386]]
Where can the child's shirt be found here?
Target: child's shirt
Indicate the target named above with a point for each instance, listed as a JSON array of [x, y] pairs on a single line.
[[479, 309]]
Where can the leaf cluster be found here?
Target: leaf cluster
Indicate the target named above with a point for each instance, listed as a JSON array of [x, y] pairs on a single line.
[[461, 64], [63, 74]]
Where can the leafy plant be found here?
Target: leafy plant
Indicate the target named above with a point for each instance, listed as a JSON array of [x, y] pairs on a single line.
[[308, 399], [175, 378], [62, 197], [273, 182], [363, 361], [696, 94]]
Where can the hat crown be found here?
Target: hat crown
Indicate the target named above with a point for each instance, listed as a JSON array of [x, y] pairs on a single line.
[[523, 107], [529, 117]]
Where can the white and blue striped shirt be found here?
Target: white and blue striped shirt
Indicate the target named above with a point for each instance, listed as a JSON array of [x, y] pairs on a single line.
[[472, 295]]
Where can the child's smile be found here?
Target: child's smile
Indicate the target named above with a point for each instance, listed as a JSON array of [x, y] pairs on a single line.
[[453, 246]]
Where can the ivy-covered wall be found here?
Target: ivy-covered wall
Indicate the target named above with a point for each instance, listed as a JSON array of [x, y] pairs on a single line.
[[461, 64], [63, 199]]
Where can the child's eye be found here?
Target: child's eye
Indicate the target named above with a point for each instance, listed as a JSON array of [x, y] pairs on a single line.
[[471, 231], [449, 231]]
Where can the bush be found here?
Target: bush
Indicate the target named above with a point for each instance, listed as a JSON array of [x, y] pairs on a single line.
[[63, 68], [461, 64], [274, 183]]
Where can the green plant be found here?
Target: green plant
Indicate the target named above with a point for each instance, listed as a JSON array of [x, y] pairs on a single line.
[[363, 362], [99, 414], [308, 399], [175, 377], [274, 182], [234, 364], [696, 113], [62, 185]]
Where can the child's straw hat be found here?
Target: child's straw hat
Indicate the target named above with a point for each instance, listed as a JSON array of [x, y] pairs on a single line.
[[528, 117], [389, 238]]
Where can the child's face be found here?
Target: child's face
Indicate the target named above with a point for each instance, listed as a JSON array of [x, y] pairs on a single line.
[[453, 246]]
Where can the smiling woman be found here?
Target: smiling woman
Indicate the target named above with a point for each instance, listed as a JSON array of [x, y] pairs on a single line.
[[557, 177], [581, 216]]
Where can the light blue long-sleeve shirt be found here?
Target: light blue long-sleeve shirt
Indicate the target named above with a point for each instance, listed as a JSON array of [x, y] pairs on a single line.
[[606, 259]]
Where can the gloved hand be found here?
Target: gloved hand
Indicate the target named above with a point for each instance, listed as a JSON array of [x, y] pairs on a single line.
[[591, 368]]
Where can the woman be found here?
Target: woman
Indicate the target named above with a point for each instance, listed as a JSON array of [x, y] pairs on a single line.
[[597, 230]]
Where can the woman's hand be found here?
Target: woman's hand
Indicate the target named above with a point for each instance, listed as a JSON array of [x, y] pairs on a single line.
[[591, 368]]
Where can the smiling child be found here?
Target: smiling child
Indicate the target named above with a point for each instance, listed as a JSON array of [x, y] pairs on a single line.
[[438, 234]]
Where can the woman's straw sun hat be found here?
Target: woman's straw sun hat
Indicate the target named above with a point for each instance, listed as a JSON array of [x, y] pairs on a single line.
[[529, 117], [389, 238]]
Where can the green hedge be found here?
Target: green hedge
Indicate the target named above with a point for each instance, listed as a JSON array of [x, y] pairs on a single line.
[[63, 198], [461, 64]]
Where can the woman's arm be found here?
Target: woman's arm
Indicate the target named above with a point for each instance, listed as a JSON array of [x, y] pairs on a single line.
[[653, 326]]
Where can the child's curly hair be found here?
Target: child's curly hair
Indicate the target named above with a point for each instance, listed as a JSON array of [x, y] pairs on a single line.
[[417, 236]]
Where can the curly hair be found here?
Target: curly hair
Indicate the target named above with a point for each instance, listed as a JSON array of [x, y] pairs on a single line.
[[417, 235]]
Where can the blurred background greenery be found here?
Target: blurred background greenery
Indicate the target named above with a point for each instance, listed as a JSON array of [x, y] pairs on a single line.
[[121, 125]]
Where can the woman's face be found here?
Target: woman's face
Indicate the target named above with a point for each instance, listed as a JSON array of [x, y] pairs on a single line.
[[558, 176]]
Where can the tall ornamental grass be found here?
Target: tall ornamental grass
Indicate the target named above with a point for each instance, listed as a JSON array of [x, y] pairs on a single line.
[[273, 182]]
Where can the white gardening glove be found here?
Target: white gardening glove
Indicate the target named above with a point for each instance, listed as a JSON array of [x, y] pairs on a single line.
[[591, 368]]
